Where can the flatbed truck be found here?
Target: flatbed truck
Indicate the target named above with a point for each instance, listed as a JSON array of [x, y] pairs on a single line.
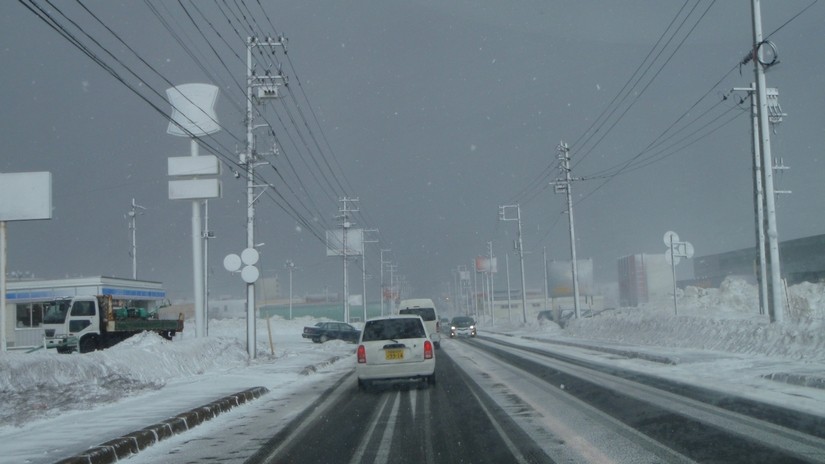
[[92, 322]]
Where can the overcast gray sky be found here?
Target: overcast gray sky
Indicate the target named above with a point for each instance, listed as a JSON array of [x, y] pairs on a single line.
[[432, 113]]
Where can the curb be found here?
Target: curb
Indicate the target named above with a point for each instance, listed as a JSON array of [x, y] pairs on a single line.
[[114, 450]]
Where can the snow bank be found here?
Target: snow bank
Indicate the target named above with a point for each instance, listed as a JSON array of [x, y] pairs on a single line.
[[723, 319], [47, 384]]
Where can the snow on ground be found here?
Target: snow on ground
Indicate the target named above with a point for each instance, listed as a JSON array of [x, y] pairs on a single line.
[[46, 391]]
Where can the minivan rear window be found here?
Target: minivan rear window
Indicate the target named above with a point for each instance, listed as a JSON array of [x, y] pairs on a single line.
[[393, 329], [428, 314]]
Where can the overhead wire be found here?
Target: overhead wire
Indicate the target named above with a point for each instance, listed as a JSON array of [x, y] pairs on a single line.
[[258, 111], [45, 16], [285, 205], [610, 109]]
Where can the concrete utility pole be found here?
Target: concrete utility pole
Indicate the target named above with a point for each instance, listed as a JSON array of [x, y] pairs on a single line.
[[760, 51], [546, 290], [492, 286], [258, 90], [463, 283], [565, 185], [509, 299], [345, 226], [290, 266], [383, 263], [520, 248], [775, 117], [364, 268], [392, 268], [475, 289]]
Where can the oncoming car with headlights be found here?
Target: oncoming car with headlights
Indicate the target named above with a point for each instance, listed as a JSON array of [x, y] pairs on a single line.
[[395, 348], [462, 326]]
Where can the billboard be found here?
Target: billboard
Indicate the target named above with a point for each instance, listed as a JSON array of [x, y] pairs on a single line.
[[25, 196], [335, 242], [485, 264], [560, 275]]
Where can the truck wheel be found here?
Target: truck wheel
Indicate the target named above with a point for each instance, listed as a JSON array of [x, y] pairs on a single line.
[[324, 338], [88, 343]]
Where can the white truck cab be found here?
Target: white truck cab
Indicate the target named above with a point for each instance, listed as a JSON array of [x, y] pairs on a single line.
[[68, 320]]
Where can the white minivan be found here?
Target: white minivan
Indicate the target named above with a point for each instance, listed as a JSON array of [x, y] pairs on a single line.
[[425, 308]]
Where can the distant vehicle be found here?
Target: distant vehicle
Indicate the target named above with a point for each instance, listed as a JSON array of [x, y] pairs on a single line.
[[425, 308], [325, 331], [395, 348], [463, 326], [87, 323]]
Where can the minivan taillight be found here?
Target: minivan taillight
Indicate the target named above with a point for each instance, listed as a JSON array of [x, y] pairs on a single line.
[[428, 350], [362, 354]]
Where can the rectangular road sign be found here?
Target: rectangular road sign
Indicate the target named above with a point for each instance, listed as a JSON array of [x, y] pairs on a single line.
[[25, 196]]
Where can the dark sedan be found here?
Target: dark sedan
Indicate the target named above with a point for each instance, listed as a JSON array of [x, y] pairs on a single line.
[[325, 331]]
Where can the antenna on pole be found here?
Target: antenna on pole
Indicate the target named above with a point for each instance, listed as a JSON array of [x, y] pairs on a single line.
[[133, 213]]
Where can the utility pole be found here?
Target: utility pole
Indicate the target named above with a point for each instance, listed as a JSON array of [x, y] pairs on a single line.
[[546, 292], [456, 290], [565, 186], [520, 248], [775, 117], [382, 276], [463, 283], [759, 54], [258, 89], [345, 226], [509, 299], [364, 268], [133, 213], [392, 268], [290, 266], [492, 286], [475, 289], [485, 290]]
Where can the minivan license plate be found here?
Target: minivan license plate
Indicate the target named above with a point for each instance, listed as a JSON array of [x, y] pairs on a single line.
[[394, 354]]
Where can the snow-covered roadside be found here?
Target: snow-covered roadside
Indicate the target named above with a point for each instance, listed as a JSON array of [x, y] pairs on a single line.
[[724, 319], [717, 336], [53, 406]]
